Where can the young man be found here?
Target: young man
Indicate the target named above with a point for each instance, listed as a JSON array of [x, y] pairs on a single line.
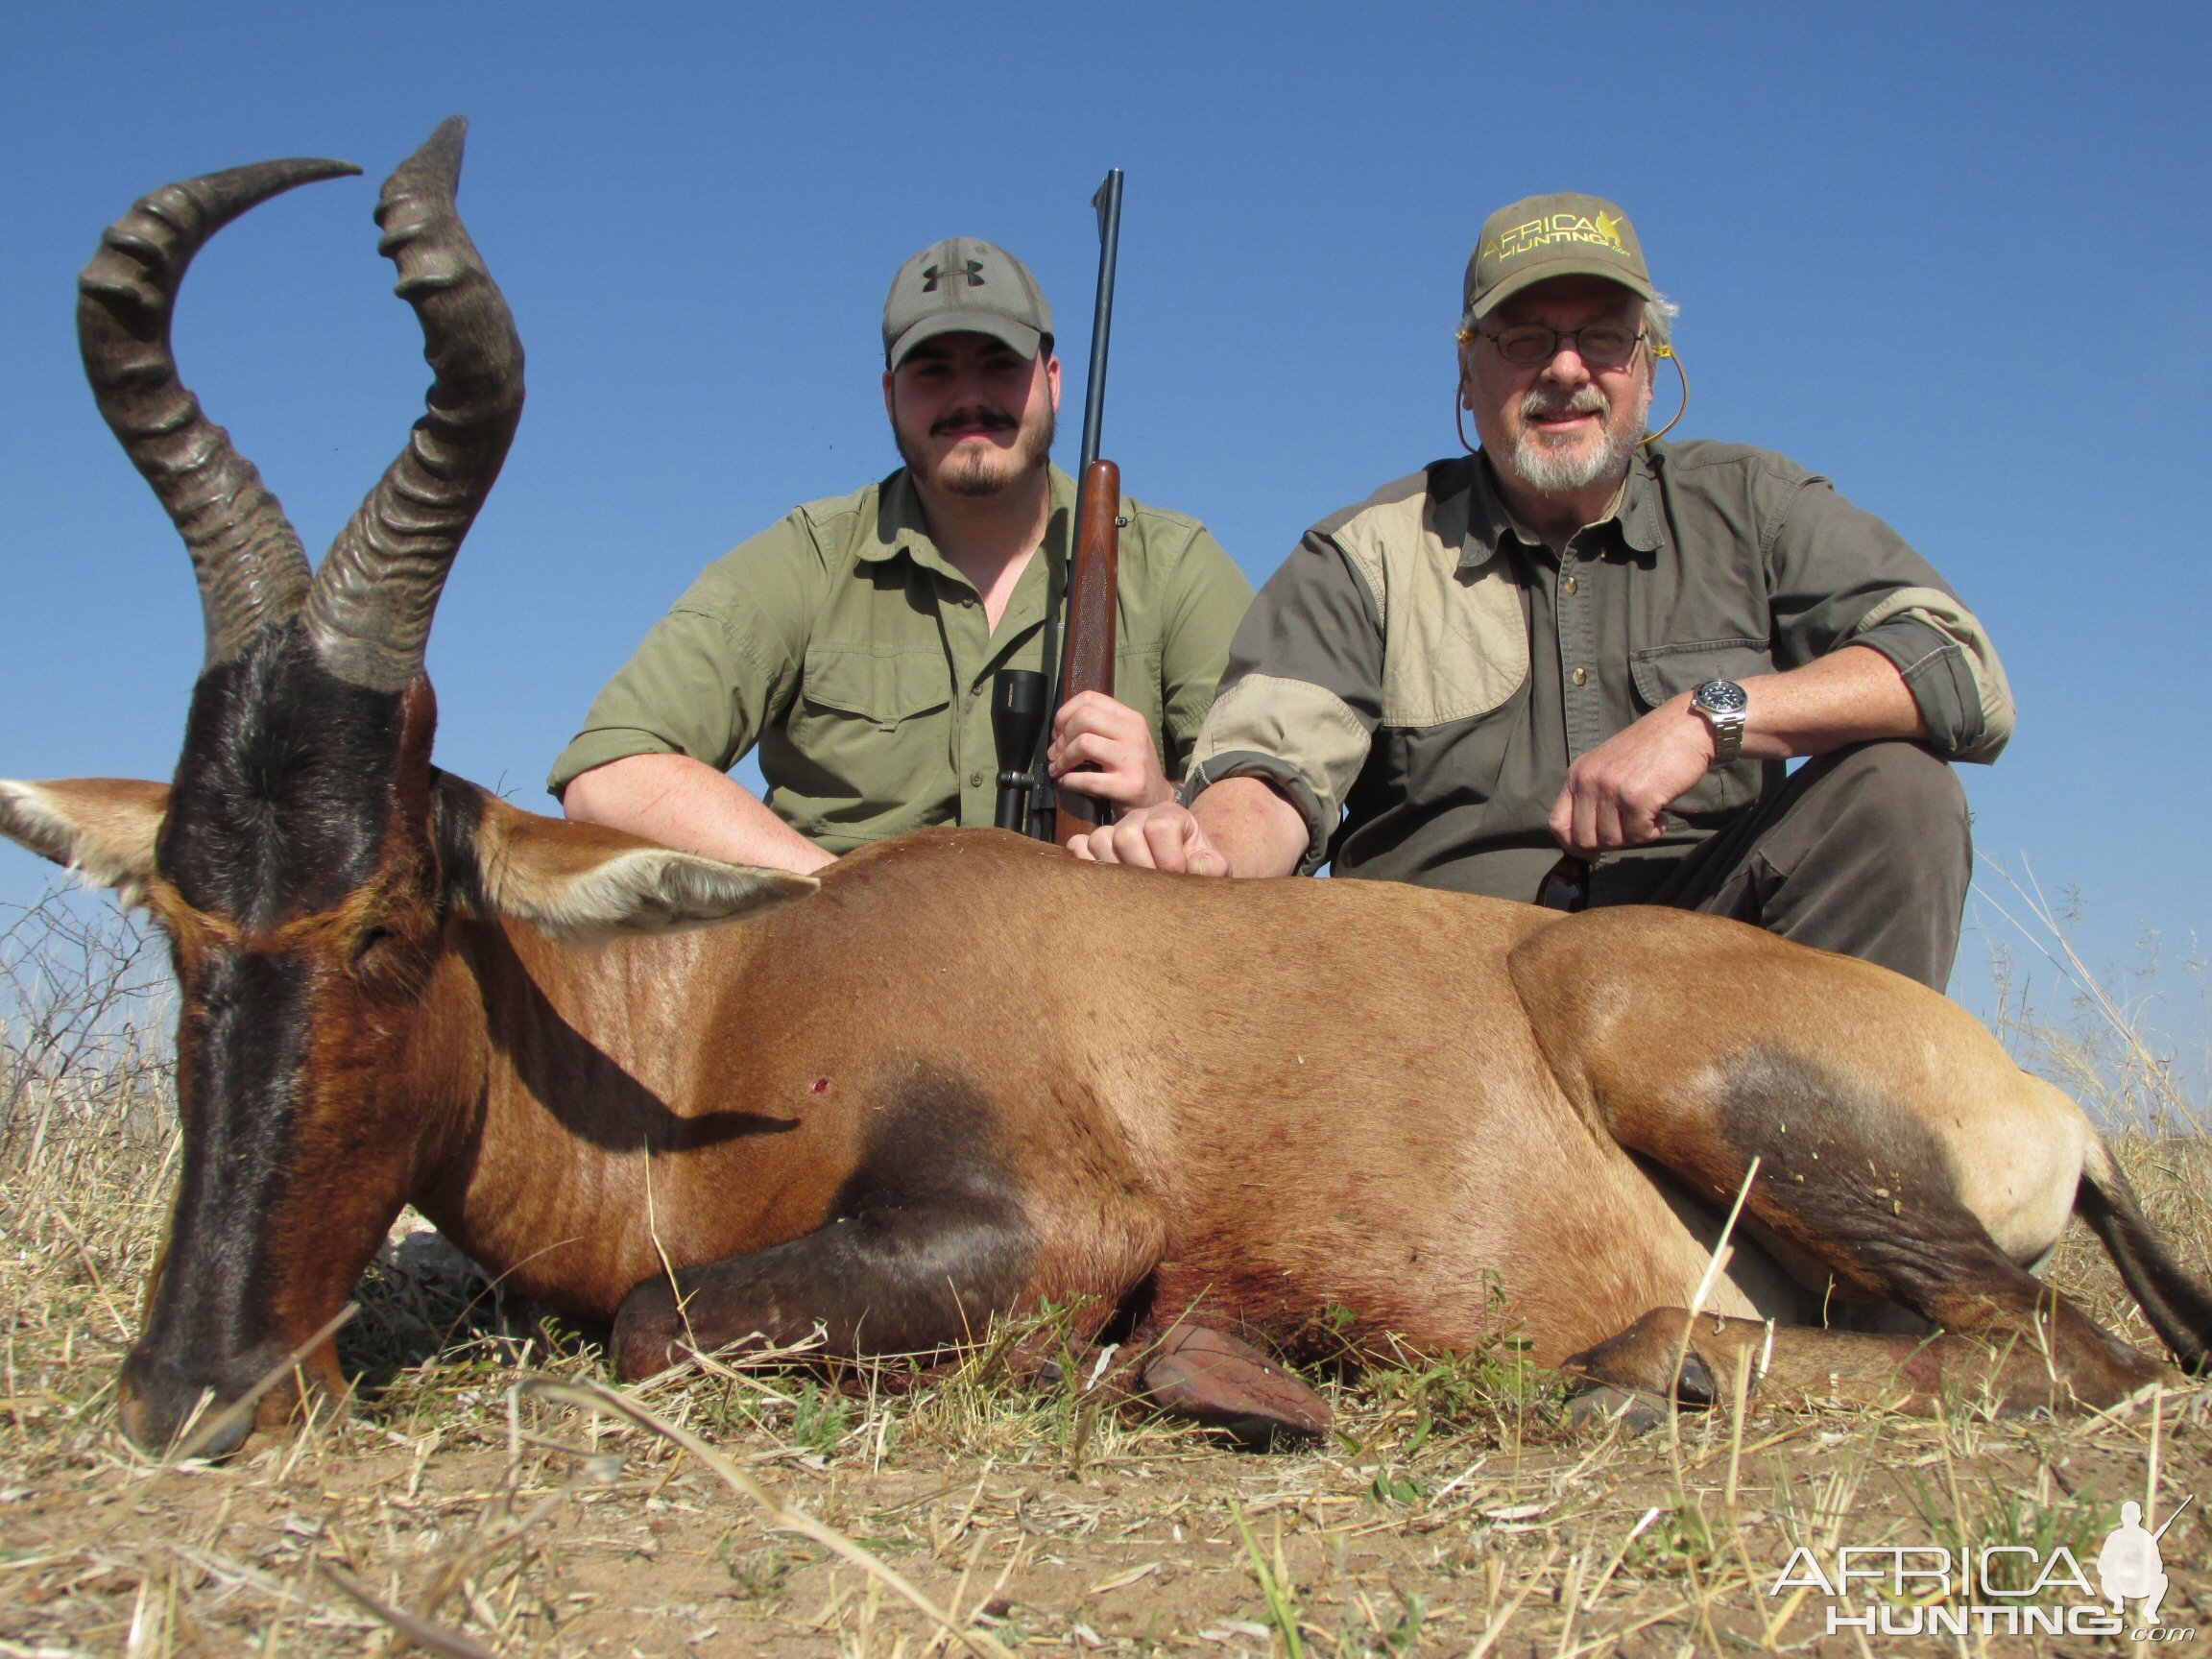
[[1579, 639], [856, 641]]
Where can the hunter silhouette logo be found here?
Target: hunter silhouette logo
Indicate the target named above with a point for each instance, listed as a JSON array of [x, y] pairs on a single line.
[[2129, 1567], [2012, 1589], [974, 272]]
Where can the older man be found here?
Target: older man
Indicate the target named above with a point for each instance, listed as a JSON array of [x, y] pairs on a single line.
[[1582, 640], [856, 641]]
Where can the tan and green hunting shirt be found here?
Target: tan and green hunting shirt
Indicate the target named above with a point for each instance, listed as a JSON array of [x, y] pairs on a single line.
[[845, 646], [1419, 675]]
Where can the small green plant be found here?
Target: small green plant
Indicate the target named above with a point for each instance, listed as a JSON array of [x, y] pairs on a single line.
[[1678, 1540], [2007, 1523], [757, 1574], [1453, 1392], [820, 1418], [1275, 1587], [1400, 1637], [1390, 1488], [1366, 1628]]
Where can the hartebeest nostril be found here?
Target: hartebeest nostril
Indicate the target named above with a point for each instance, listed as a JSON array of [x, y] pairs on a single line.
[[167, 1415]]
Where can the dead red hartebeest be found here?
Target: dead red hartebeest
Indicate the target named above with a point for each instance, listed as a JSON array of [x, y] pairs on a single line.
[[860, 1104]]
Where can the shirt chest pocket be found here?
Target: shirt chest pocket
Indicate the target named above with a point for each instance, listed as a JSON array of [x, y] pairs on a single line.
[[871, 738], [1663, 671], [881, 689]]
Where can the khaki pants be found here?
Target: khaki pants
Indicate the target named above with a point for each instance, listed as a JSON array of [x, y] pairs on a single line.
[[1866, 852]]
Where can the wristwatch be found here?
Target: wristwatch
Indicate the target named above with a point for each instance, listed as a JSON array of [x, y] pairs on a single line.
[[1724, 705]]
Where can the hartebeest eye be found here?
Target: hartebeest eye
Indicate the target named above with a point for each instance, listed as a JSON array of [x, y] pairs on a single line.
[[386, 964]]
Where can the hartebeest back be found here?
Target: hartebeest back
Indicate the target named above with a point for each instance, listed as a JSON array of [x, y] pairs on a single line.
[[866, 1108]]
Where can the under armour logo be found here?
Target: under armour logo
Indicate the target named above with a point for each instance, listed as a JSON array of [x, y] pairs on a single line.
[[931, 272]]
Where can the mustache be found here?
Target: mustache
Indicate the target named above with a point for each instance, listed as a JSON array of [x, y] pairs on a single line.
[[1588, 401], [989, 419]]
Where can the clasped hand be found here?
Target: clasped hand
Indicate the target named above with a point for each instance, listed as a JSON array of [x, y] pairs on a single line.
[[1618, 794], [1092, 730]]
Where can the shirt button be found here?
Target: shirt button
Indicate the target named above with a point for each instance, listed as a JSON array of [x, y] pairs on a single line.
[[1571, 585], [975, 779], [1581, 676], [974, 690]]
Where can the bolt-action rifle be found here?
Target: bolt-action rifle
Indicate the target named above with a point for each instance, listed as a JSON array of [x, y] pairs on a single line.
[[1022, 703]]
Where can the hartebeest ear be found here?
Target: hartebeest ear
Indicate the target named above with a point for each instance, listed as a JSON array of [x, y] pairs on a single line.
[[103, 828], [582, 881]]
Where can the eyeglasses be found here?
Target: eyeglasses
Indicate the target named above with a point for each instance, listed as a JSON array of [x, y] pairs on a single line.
[[1601, 345]]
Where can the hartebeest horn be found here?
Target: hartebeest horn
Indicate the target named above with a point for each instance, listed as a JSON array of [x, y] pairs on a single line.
[[248, 558], [369, 612]]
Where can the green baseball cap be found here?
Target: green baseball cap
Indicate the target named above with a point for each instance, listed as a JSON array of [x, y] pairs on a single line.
[[1539, 237], [964, 286]]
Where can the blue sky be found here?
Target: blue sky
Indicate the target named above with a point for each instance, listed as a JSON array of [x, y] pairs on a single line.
[[1954, 258]]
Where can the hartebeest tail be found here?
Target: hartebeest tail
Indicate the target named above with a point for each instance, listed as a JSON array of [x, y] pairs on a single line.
[[2175, 1303]]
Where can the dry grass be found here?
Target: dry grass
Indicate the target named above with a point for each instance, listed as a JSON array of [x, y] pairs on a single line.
[[488, 1496]]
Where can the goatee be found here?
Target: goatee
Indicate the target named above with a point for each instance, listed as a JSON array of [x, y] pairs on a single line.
[[985, 472], [1560, 472]]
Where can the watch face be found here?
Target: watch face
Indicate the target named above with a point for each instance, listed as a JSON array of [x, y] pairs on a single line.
[[1723, 697]]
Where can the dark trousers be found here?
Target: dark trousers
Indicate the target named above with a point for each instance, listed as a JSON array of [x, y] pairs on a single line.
[[1865, 850]]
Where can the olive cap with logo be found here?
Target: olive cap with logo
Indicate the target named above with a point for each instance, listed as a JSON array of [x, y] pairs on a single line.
[[962, 285], [1540, 237]]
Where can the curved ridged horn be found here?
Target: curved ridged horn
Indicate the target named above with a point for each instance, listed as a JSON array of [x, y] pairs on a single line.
[[369, 612], [247, 557]]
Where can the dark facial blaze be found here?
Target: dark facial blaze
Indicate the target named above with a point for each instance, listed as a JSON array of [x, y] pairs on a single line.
[[298, 851], [297, 870], [282, 796]]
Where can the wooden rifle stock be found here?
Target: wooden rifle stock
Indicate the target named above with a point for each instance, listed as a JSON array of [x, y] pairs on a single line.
[[1088, 663]]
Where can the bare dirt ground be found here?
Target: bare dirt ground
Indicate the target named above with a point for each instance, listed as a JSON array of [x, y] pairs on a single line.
[[1456, 1511], [490, 1493]]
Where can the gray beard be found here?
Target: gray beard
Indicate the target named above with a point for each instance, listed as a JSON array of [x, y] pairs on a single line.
[[1550, 471]]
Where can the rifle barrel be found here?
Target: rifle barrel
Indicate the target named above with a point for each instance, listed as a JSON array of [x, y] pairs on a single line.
[[1108, 201], [1048, 804]]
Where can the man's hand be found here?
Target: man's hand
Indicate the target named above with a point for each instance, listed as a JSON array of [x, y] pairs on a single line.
[[1094, 730], [1618, 794], [1238, 827], [1164, 837]]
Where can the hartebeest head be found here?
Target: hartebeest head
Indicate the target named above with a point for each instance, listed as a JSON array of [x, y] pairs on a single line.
[[307, 860]]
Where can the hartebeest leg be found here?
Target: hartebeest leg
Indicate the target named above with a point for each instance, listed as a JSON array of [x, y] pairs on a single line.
[[1666, 1351], [1222, 1381], [1865, 1105], [1863, 1191], [918, 1277], [891, 1277]]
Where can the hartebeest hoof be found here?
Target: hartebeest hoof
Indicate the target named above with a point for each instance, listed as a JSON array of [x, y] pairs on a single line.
[[1601, 1405], [1655, 1357], [1227, 1385]]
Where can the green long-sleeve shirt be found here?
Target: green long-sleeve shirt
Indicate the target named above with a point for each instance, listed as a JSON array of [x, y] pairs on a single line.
[[842, 642]]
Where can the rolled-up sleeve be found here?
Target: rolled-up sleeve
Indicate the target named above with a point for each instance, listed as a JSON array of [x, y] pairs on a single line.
[[1839, 576], [714, 672], [1303, 693]]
